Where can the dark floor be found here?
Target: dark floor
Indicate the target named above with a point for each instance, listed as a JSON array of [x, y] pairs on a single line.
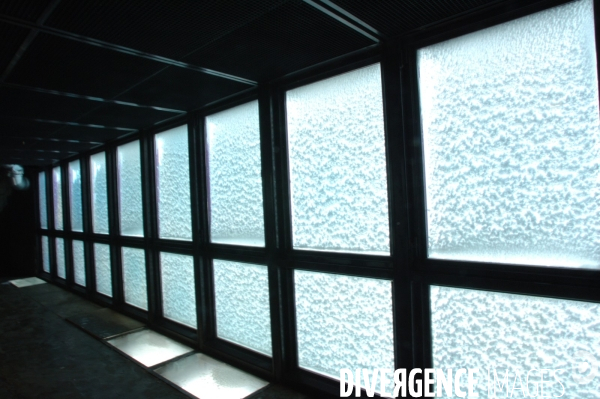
[[42, 355]]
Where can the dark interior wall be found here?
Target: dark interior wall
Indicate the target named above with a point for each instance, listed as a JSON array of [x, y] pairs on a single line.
[[17, 229]]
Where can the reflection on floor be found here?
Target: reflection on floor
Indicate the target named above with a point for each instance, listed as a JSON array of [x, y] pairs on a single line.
[[44, 354]]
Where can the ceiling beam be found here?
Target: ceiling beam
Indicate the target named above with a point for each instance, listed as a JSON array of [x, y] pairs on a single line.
[[120, 49]]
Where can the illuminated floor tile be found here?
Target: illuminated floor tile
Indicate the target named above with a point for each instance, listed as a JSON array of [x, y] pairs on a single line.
[[148, 347], [207, 378], [26, 282]]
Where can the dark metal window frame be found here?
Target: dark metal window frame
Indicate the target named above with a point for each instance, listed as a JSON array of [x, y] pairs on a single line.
[[408, 267]]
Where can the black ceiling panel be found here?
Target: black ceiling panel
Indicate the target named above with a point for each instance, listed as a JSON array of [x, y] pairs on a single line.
[[89, 134], [29, 10], [69, 146], [11, 38], [64, 65], [168, 28], [114, 115], [15, 127], [394, 18], [289, 38], [33, 105], [179, 88]]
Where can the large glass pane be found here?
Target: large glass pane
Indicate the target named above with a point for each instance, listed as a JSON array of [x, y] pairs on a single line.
[[338, 177], [45, 254], [131, 216], [134, 277], [75, 196], [57, 198], [79, 262], [178, 288], [103, 269], [173, 184], [99, 193], [235, 182], [242, 304], [343, 322], [42, 200], [511, 142], [61, 267], [516, 334]]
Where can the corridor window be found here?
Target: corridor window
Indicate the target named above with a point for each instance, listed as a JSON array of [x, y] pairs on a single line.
[[343, 322], [242, 304], [514, 334], [178, 288], [61, 267], [173, 184], [45, 254], [99, 193], [511, 141], [42, 200], [134, 277], [79, 262], [235, 181], [338, 178], [103, 269], [131, 217], [57, 198], [75, 196]]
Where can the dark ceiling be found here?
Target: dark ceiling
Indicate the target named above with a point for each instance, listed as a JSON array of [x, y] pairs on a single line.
[[76, 74]]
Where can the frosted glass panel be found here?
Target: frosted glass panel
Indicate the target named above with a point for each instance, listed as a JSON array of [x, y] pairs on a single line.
[[79, 262], [130, 190], [45, 254], [173, 184], [61, 267], [235, 182], [75, 194], [516, 333], [103, 270], [57, 200], [42, 200], [178, 288], [511, 141], [343, 322], [134, 277], [337, 164], [242, 304], [99, 193]]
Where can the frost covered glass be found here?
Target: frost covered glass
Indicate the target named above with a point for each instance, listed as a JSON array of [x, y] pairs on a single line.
[[511, 141], [61, 266], [513, 334], [134, 277], [338, 177], [42, 200], [103, 269], [343, 322], [178, 288], [75, 196], [173, 184], [99, 193], [131, 217], [57, 198], [45, 254], [78, 262], [242, 304], [235, 181]]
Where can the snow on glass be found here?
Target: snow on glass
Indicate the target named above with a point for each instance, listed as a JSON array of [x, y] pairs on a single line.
[[61, 266], [173, 184], [515, 334], [102, 268], [42, 199], [242, 304], [99, 193], [511, 141], [46, 254], [79, 262], [178, 288], [131, 217], [134, 277], [343, 322], [235, 182], [75, 196], [338, 177], [57, 198]]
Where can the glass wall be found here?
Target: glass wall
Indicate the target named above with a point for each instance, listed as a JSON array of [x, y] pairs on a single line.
[[131, 216], [75, 196], [99, 193], [57, 198]]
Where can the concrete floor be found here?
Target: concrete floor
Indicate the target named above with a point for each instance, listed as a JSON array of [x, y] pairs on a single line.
[[44, 356]]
